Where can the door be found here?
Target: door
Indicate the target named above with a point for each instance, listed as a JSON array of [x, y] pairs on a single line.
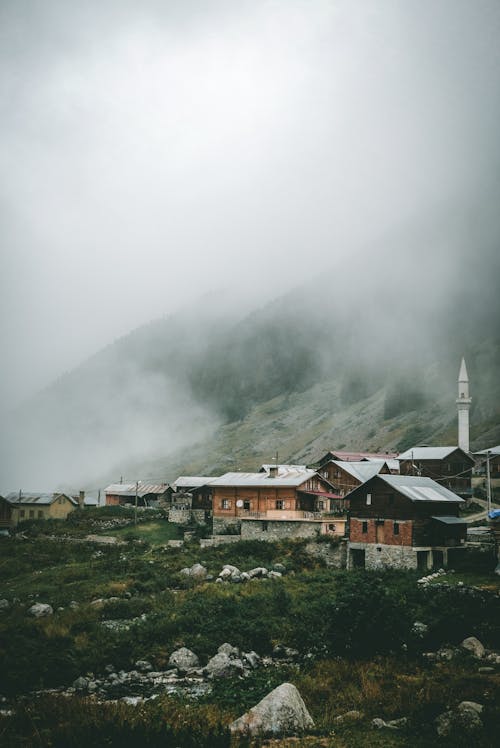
[[380, 528], [358, 558]]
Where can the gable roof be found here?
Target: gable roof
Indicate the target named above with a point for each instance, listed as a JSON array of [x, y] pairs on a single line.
[[192, 481], [290, 477], [362, 471], [336, 454], [128, 489], [37, 497], [430, 453], [492, 450], [417, 488]]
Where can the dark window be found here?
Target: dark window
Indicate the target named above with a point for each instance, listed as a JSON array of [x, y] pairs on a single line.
[[396, 528], [21, 513], [32, 513], [40, 514], [364, 527], [247, 505], [264, 526], [280, 504]]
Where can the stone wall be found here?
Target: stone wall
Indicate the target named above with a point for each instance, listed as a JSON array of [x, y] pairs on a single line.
[[384, 556], [334, 556], [253, 529], [220, 524], [199, 516], [219, 540], [179, 516]]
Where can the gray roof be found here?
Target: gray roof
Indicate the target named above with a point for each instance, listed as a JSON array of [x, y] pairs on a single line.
[[192, 481], [362, 471], [427, 453], [420, 489], [36, 497], [266, 467], [143, 489], [290, 477], [451, 520], [491, 450]]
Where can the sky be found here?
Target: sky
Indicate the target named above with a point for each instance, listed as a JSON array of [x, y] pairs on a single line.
[[154, 151]]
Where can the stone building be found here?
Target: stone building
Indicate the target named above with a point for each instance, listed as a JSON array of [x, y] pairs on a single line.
[[404, 522]]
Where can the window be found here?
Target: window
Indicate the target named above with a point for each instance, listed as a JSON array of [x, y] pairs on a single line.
[[247, 505], [225, 504], [321, 505], [396, 528], [280, 504], [21, 513], [264, 526], [332, 528], [32, 513], [368, 499], [40, 514], [325, 474], [364, 527]]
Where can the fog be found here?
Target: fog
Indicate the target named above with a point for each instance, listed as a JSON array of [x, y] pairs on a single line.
[[154, 152]]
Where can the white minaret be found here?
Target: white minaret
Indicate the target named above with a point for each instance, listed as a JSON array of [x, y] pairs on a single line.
[[463, 405]]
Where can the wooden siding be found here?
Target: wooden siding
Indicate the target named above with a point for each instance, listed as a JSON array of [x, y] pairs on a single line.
[[446, 471]]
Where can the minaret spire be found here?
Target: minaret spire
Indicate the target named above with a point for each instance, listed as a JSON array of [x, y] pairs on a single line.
[[463, 405]]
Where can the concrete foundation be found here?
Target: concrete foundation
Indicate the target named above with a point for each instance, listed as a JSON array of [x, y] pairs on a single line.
[[380, 556]]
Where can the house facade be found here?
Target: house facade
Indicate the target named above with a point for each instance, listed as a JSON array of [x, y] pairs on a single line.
[[346, 476], [18, 507], [404, 522], [449, 466], [281, 494]]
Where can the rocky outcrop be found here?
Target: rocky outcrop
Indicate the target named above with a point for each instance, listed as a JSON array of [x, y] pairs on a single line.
[[474, 646], [281, 712], [183, 659]]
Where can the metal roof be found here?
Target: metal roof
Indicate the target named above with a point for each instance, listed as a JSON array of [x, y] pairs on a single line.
[[392, 463], [450, 520], [266, 467], [34, 497], [491, 450], [362, 471], [358, 456], [143, 489], [427, 453], [290, 477], [192, 481], [420, 489]]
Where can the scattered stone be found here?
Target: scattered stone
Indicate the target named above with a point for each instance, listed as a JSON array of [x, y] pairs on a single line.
[[445, 654], [258, 572], [486, 670], [222, 665], [40, 610], [466, 717], [225, 574], [198, 571], [183, 659], [281, 712], [474, 646], [378, 723], [252, 658], [74, 605], [275, 574], [81, 683], [279, 567], [229, 650], [4, 605], [419, 629], [143, 666], [352, 716]]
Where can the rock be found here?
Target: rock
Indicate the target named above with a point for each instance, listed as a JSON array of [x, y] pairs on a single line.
[[259, 571], [275, 574], [143, 666], [229, 650], [245, 576], [233, 569], [474, 646], [281, 712], [419, 629], [279, 567], [465, 718], [252, 658], [445, 654], [225, 574], [378, 723], [352, 716], [486, 670], [183, 659], [281, 652], [397, 724], [39, 610], [198, 571], [222, 665], [186, 571], [4, 605], [74, 605], [98, 602], [81, 683]]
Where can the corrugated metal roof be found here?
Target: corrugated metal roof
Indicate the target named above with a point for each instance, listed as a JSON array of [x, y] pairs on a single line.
[[427, 453], [266, 468], [392, 464], [358, 456], [34, 497], [143, 489], [290, 477], [362, 471], [420, 489], [491, 450], [192, 481]]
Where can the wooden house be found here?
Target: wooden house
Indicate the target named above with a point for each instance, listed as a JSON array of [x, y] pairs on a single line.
[[282, 501], [124, 494], [449, 466], [18, 507], [346, 476], [197, 487], [494, 460], [336, 454], [403, 522]]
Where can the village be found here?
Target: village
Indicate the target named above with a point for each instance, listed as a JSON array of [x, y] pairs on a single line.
[[411, 510]]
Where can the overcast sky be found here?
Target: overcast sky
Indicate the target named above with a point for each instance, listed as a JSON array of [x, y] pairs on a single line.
[[153, 150]]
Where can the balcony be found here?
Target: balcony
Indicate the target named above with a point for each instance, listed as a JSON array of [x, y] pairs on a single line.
[[281, 514]]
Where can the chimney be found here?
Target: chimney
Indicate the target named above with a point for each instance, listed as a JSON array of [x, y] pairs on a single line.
[[273, 471], [81, 500]]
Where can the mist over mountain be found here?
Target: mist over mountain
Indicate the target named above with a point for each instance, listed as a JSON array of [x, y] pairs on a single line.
[[364, 354]]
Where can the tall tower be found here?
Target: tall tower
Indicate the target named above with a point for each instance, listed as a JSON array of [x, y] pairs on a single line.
[[463, 405]]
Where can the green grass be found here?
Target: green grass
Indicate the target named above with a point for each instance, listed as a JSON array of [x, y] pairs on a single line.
[[154, 533]]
